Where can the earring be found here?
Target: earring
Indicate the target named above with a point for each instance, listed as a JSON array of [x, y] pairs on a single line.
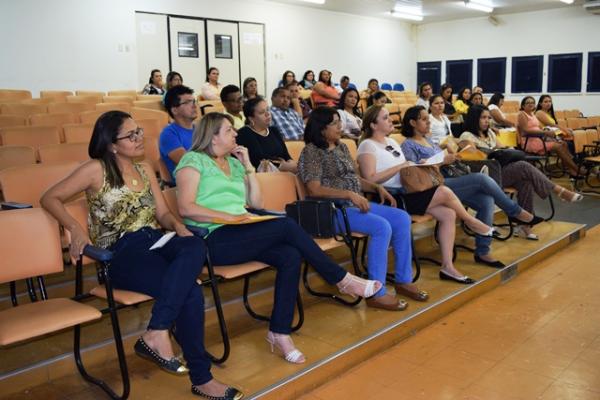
[[115, 151]]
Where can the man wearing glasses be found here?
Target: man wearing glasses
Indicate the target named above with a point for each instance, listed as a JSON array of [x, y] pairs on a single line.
[[176, 138], [231, 97]]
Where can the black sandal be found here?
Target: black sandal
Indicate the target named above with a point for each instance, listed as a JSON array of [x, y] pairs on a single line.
[[230, 394], [173, 366]]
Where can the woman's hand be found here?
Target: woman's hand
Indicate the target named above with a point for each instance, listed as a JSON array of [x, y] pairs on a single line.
[[241, 153], [79, 239], [449, 158], [287, 166], [359, 201], [384, 195], [182, 231], [236, 218]]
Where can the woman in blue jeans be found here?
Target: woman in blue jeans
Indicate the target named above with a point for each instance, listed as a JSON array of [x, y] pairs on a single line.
[[476, 190], [215, 181], [327, 169], [127, 215]]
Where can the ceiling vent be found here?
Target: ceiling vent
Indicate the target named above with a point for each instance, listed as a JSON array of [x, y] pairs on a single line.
[[592, 6]]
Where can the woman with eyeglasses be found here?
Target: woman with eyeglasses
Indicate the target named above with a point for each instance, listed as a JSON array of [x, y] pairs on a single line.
[[381, 159], [127, 216], [529, 124], [327, 169]]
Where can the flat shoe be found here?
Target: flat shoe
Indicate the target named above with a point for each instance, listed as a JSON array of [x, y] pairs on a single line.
[[465, 280], [387, 302], [419, 295], [534, 221], [495, 264], [173, 366], [230, 394]]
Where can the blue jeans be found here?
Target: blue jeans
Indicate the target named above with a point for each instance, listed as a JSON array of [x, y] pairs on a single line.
[[169, 275], [480, 192], [385, 226], [281, 243]]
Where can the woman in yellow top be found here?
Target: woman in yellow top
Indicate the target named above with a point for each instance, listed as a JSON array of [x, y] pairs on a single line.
[[215, 180], [545, 114], [463, 101]]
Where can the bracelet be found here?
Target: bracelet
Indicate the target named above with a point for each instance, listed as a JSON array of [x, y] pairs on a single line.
[[250, 171]]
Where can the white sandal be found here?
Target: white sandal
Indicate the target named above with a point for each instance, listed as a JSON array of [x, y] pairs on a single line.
[[370, 287], [518, 231], [294, 356], [575, 199]]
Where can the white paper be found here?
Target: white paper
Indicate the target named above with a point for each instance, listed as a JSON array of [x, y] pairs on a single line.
[[252, 38], [438, 158], [162, 241]]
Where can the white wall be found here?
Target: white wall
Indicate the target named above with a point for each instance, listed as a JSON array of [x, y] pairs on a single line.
[[75, 44], [565, 30]]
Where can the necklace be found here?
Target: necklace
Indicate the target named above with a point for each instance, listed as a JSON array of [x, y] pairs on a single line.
[[260, 133]]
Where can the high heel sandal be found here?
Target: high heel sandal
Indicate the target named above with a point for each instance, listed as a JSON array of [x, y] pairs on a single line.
[[294, 356], [534, 221], [577, 197], [370, 287]]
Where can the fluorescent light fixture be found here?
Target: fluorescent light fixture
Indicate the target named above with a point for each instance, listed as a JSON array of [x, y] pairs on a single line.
[[412, 17], [478, 6], [314, 1], [568, 1]]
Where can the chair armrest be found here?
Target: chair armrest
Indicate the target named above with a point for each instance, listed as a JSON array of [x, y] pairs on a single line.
[[202, 108], [12, 205], [97, 253]]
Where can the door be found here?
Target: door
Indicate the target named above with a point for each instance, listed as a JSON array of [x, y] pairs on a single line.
[[429, 72], [252, 54], [188, 50], [152, 46], [223, 50]]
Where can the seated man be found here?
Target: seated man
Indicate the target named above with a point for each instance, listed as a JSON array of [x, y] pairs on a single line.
[[344, 83], [231, 97], [176, 138], [288, 121]]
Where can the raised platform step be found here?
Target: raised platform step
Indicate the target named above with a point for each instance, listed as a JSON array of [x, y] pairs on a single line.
[[333, 337]]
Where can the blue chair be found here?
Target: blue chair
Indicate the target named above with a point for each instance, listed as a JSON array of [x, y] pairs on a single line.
[[352, 86], [386, 86], [398, 87]]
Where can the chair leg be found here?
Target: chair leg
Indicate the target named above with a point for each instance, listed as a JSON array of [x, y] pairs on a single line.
[[31, 289], [212, 280], [13, 293]]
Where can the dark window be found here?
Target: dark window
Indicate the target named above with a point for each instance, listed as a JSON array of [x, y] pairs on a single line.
[[491, 74], [593, 76], [564, 72], [527, 74], [430, 72], [459, 74]]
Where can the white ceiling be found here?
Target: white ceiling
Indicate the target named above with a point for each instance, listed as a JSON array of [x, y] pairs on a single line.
[[434, 10]]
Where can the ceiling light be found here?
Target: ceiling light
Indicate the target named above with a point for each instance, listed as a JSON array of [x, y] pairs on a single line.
[[568, 1], [412, 17], [314, 1], [478, 6]]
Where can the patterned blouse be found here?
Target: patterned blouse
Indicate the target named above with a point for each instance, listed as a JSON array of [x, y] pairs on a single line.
[[332, 168], [115, 211]]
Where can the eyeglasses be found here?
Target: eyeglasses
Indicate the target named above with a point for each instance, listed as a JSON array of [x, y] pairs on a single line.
[[395, 153], [185, 103], [133, 135]]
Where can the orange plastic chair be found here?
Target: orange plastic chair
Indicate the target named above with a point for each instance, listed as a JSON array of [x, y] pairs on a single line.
[[151, 127], [58, 120], [33, 136], [72, 108], [143, 113], [150, 104], [55, 153], [89, 93], [12, 120], [88, 99], [351, 144], [119, 99], [111, 106], [15, 156], [56, 95], [23, 109], [90, 117], [78, 133], [294, 147], [11, 95], [129, 93]]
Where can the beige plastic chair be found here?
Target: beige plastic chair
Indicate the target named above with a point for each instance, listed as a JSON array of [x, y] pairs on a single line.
[[90, 93], [294, 147], [11, 95], [72, 108], [88, 99], [33, 136], [56, 153], [129, 93], [15, 156], [90, 117], [118, 99], [351, 144], [38, 101], [78, 133], [151, 127], [104, 107], [149, 104], [56, 95], [142, 113], [58, 120], [12, 120], [23, 109]]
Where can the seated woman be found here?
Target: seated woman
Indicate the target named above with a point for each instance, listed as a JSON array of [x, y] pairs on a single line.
[[215, 181], [545, 114], [211, 89], [350, 114], [173, 79], [439, 122], [380, 160], [521, 175], [324, 93], [287, 78], [495, 107], [264, 142], [155, 84], [377, 99], [476, 190], [528, 124], [425, 93], [308, 80], [327, 170], [249, 89], [127, 215], [446, 92], [477, 99], [372, 88], [463, 101]]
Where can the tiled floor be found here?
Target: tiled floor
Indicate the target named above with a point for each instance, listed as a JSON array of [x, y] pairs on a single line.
[[535, 338]]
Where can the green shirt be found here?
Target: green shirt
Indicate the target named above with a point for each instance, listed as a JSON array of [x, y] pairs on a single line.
[[216, 191]]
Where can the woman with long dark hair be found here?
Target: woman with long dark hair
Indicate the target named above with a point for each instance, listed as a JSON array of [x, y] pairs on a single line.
[[350, 114]]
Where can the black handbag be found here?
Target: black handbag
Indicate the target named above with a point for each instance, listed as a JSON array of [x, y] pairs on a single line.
[[507, 156], [455, 170], [316, 216]]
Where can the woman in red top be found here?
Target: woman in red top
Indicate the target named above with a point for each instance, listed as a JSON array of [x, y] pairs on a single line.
[[324, 94]]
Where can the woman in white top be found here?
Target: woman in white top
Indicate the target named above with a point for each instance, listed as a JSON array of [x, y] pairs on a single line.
[[425, 92], [440, 124], [211, 89], [381, 159], [498, 117], [349, 113]]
